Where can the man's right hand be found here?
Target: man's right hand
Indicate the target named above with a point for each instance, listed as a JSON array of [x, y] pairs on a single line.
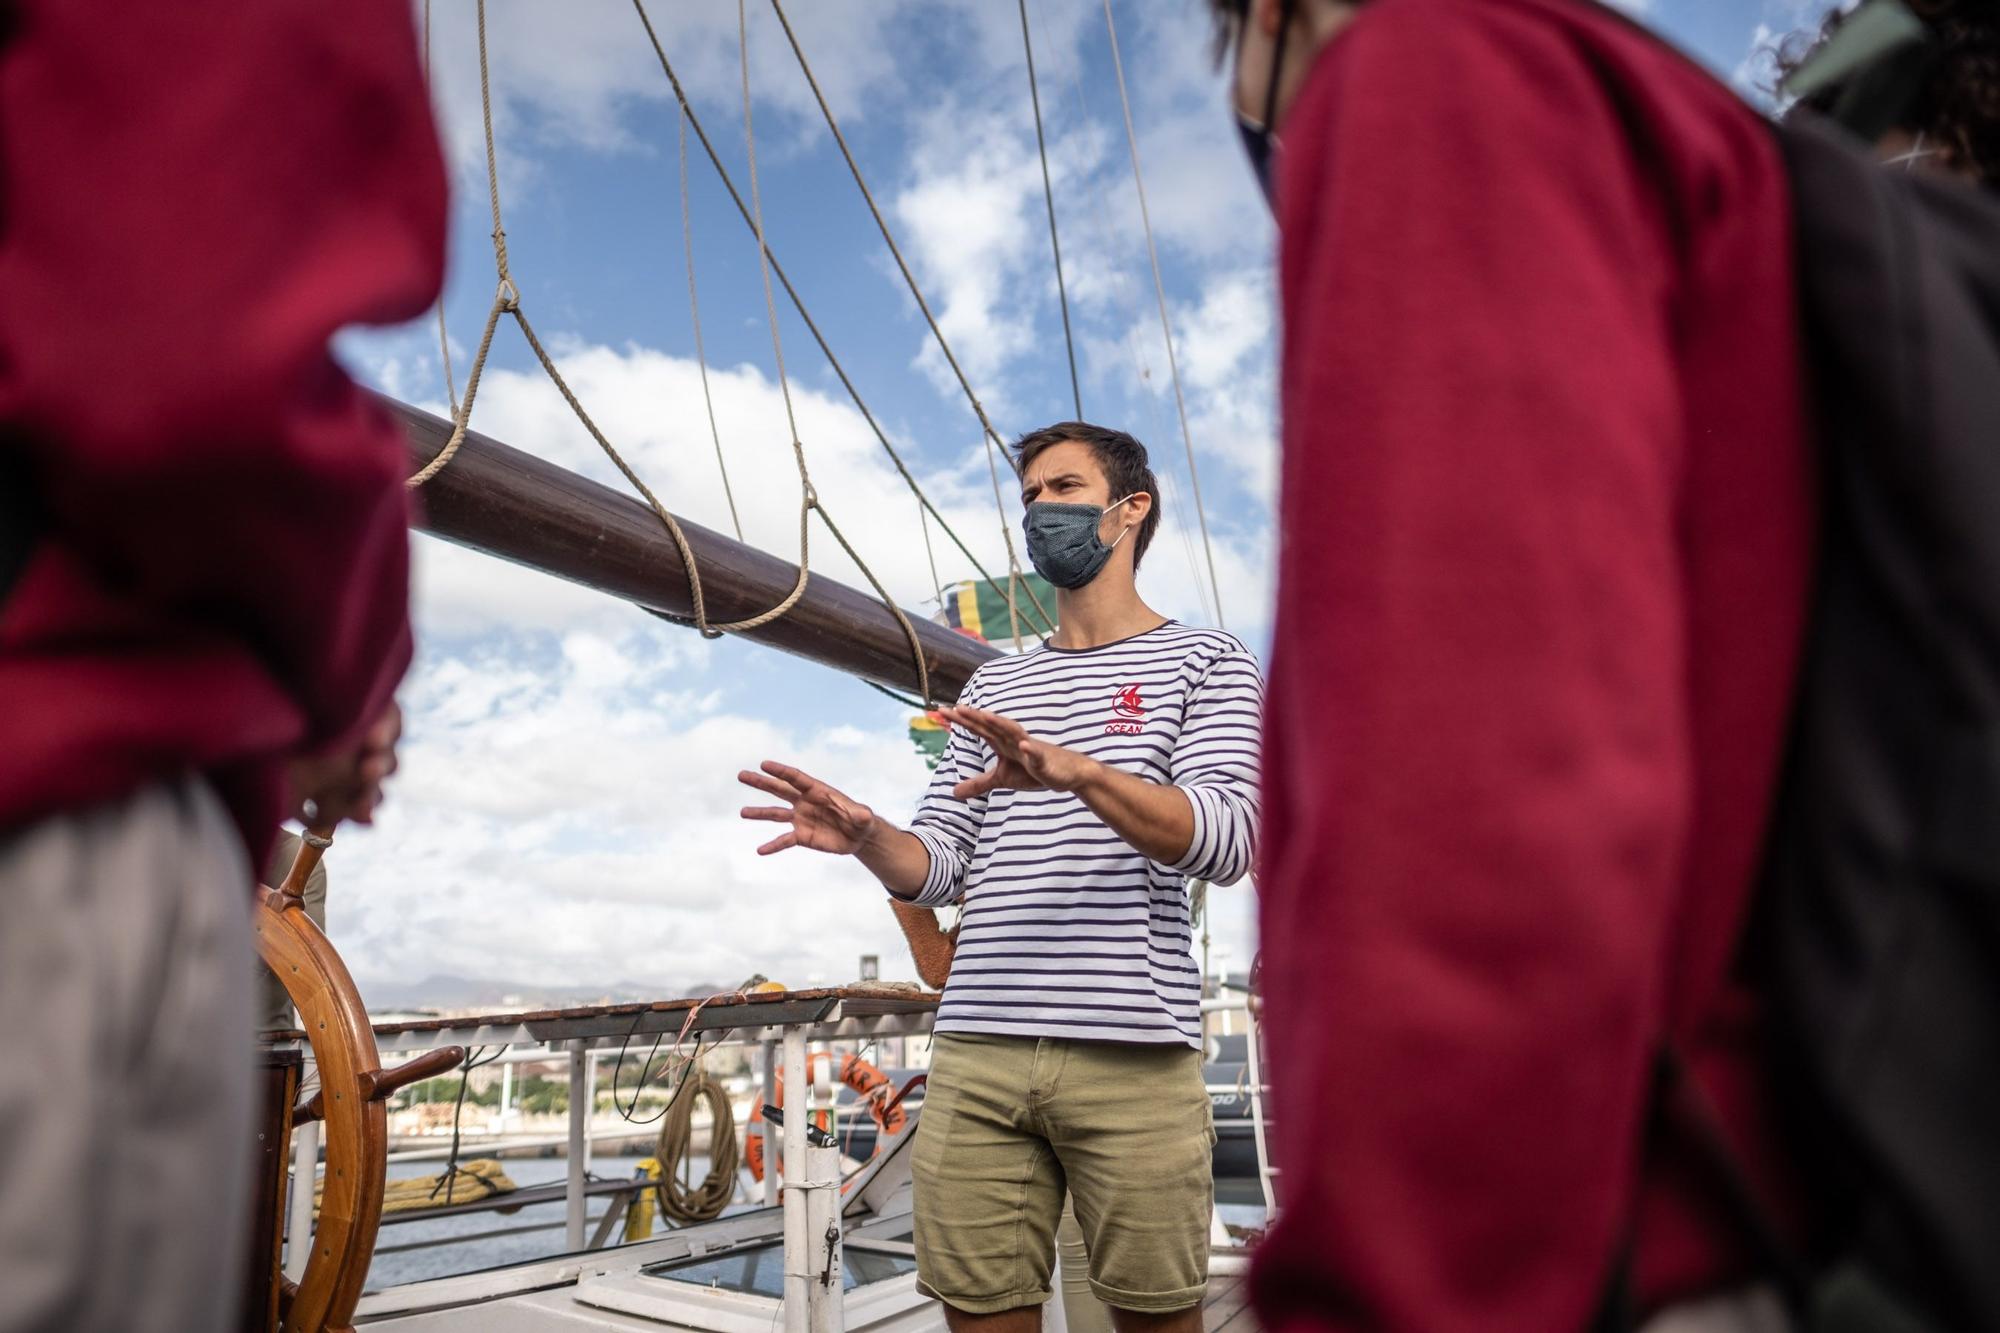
[[821, 818]]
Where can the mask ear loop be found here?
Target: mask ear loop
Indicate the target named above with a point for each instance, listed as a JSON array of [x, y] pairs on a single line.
[[1908, 161], [1122, 532]]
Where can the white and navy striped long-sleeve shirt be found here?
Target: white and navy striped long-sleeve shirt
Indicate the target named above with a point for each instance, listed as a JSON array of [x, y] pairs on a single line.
[[1067, 931]]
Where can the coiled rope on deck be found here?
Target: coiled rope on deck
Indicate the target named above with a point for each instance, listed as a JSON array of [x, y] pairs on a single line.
[[704, 1202]]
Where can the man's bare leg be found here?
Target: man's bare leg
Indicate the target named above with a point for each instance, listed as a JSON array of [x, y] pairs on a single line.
[[1174, 1321], [1020, 1319]]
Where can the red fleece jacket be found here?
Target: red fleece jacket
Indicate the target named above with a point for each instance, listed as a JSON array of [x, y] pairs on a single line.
[[193, 198], [1545, 537]]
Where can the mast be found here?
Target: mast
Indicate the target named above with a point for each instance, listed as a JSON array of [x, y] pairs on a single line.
[[506, 503]]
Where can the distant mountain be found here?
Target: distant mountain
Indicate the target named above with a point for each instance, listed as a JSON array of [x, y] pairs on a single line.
[[498, 995]]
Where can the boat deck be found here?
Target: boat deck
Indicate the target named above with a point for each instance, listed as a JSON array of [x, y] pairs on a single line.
[[1226, 1307]]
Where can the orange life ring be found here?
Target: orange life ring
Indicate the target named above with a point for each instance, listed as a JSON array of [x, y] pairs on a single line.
[[870, 1084]]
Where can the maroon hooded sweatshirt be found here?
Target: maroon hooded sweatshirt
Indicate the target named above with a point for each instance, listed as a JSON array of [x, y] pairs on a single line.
[[1542, 577], [193, 198]]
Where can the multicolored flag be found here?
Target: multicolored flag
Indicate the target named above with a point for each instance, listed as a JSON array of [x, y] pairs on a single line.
[[930, 735], [978, 608]]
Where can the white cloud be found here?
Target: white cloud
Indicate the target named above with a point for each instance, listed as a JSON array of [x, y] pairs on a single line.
[[1200, 193], [1228, 348], [1782, 24], [972, 238], [1225, 344], [461, 593], [1755, 76], [569, 76], [970, 207], [566, 812], [566, 809], [1176, 574]]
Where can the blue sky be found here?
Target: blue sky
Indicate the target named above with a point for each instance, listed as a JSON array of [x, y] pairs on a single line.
[[566, 810]]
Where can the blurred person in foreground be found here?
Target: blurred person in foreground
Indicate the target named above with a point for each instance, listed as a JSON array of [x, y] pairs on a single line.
[[1547, 530], [203, 589], [1542, 586]]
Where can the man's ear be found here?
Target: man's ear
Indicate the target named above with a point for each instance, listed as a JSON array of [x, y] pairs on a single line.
[[1140, 505]]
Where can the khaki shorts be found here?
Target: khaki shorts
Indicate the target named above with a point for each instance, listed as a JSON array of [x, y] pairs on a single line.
[[1009, 1123]]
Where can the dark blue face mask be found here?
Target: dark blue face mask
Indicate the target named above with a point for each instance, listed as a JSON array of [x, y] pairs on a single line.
[[1260, 145], [1260, 148], [1063, 544]]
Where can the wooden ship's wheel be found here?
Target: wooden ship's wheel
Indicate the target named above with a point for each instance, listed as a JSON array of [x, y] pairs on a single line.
[[353, 1088]]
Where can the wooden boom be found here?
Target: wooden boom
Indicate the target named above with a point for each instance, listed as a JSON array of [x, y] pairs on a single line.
[[510, 504]]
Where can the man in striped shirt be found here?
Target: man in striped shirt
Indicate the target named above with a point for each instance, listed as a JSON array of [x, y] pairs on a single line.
[[1086, 782]]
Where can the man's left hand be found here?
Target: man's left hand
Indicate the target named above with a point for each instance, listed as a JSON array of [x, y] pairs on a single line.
[[1022, 762], [346, 784]]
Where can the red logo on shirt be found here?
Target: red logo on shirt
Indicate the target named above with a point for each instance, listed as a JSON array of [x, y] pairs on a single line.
[[1131, 711]]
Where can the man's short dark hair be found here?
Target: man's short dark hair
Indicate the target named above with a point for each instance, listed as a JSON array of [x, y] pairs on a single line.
[[1957, 107], [1122, 458]]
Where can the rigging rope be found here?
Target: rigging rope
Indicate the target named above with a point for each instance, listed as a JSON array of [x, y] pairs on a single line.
[[930, 556], [1160, 290], [897, 695], [507, 301], [1170, 489], [992, 437], [1095, 217], [474, 1059], [798, 304], [1049, 196], [444, 339], [1013, 563], [809, 497], [505, 297], [694, 311]]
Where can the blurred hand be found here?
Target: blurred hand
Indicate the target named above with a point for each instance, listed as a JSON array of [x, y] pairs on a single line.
[[329, 788], [821, 818]]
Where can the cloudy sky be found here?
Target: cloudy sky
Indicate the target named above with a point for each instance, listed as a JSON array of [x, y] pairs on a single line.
[[565, 813]]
